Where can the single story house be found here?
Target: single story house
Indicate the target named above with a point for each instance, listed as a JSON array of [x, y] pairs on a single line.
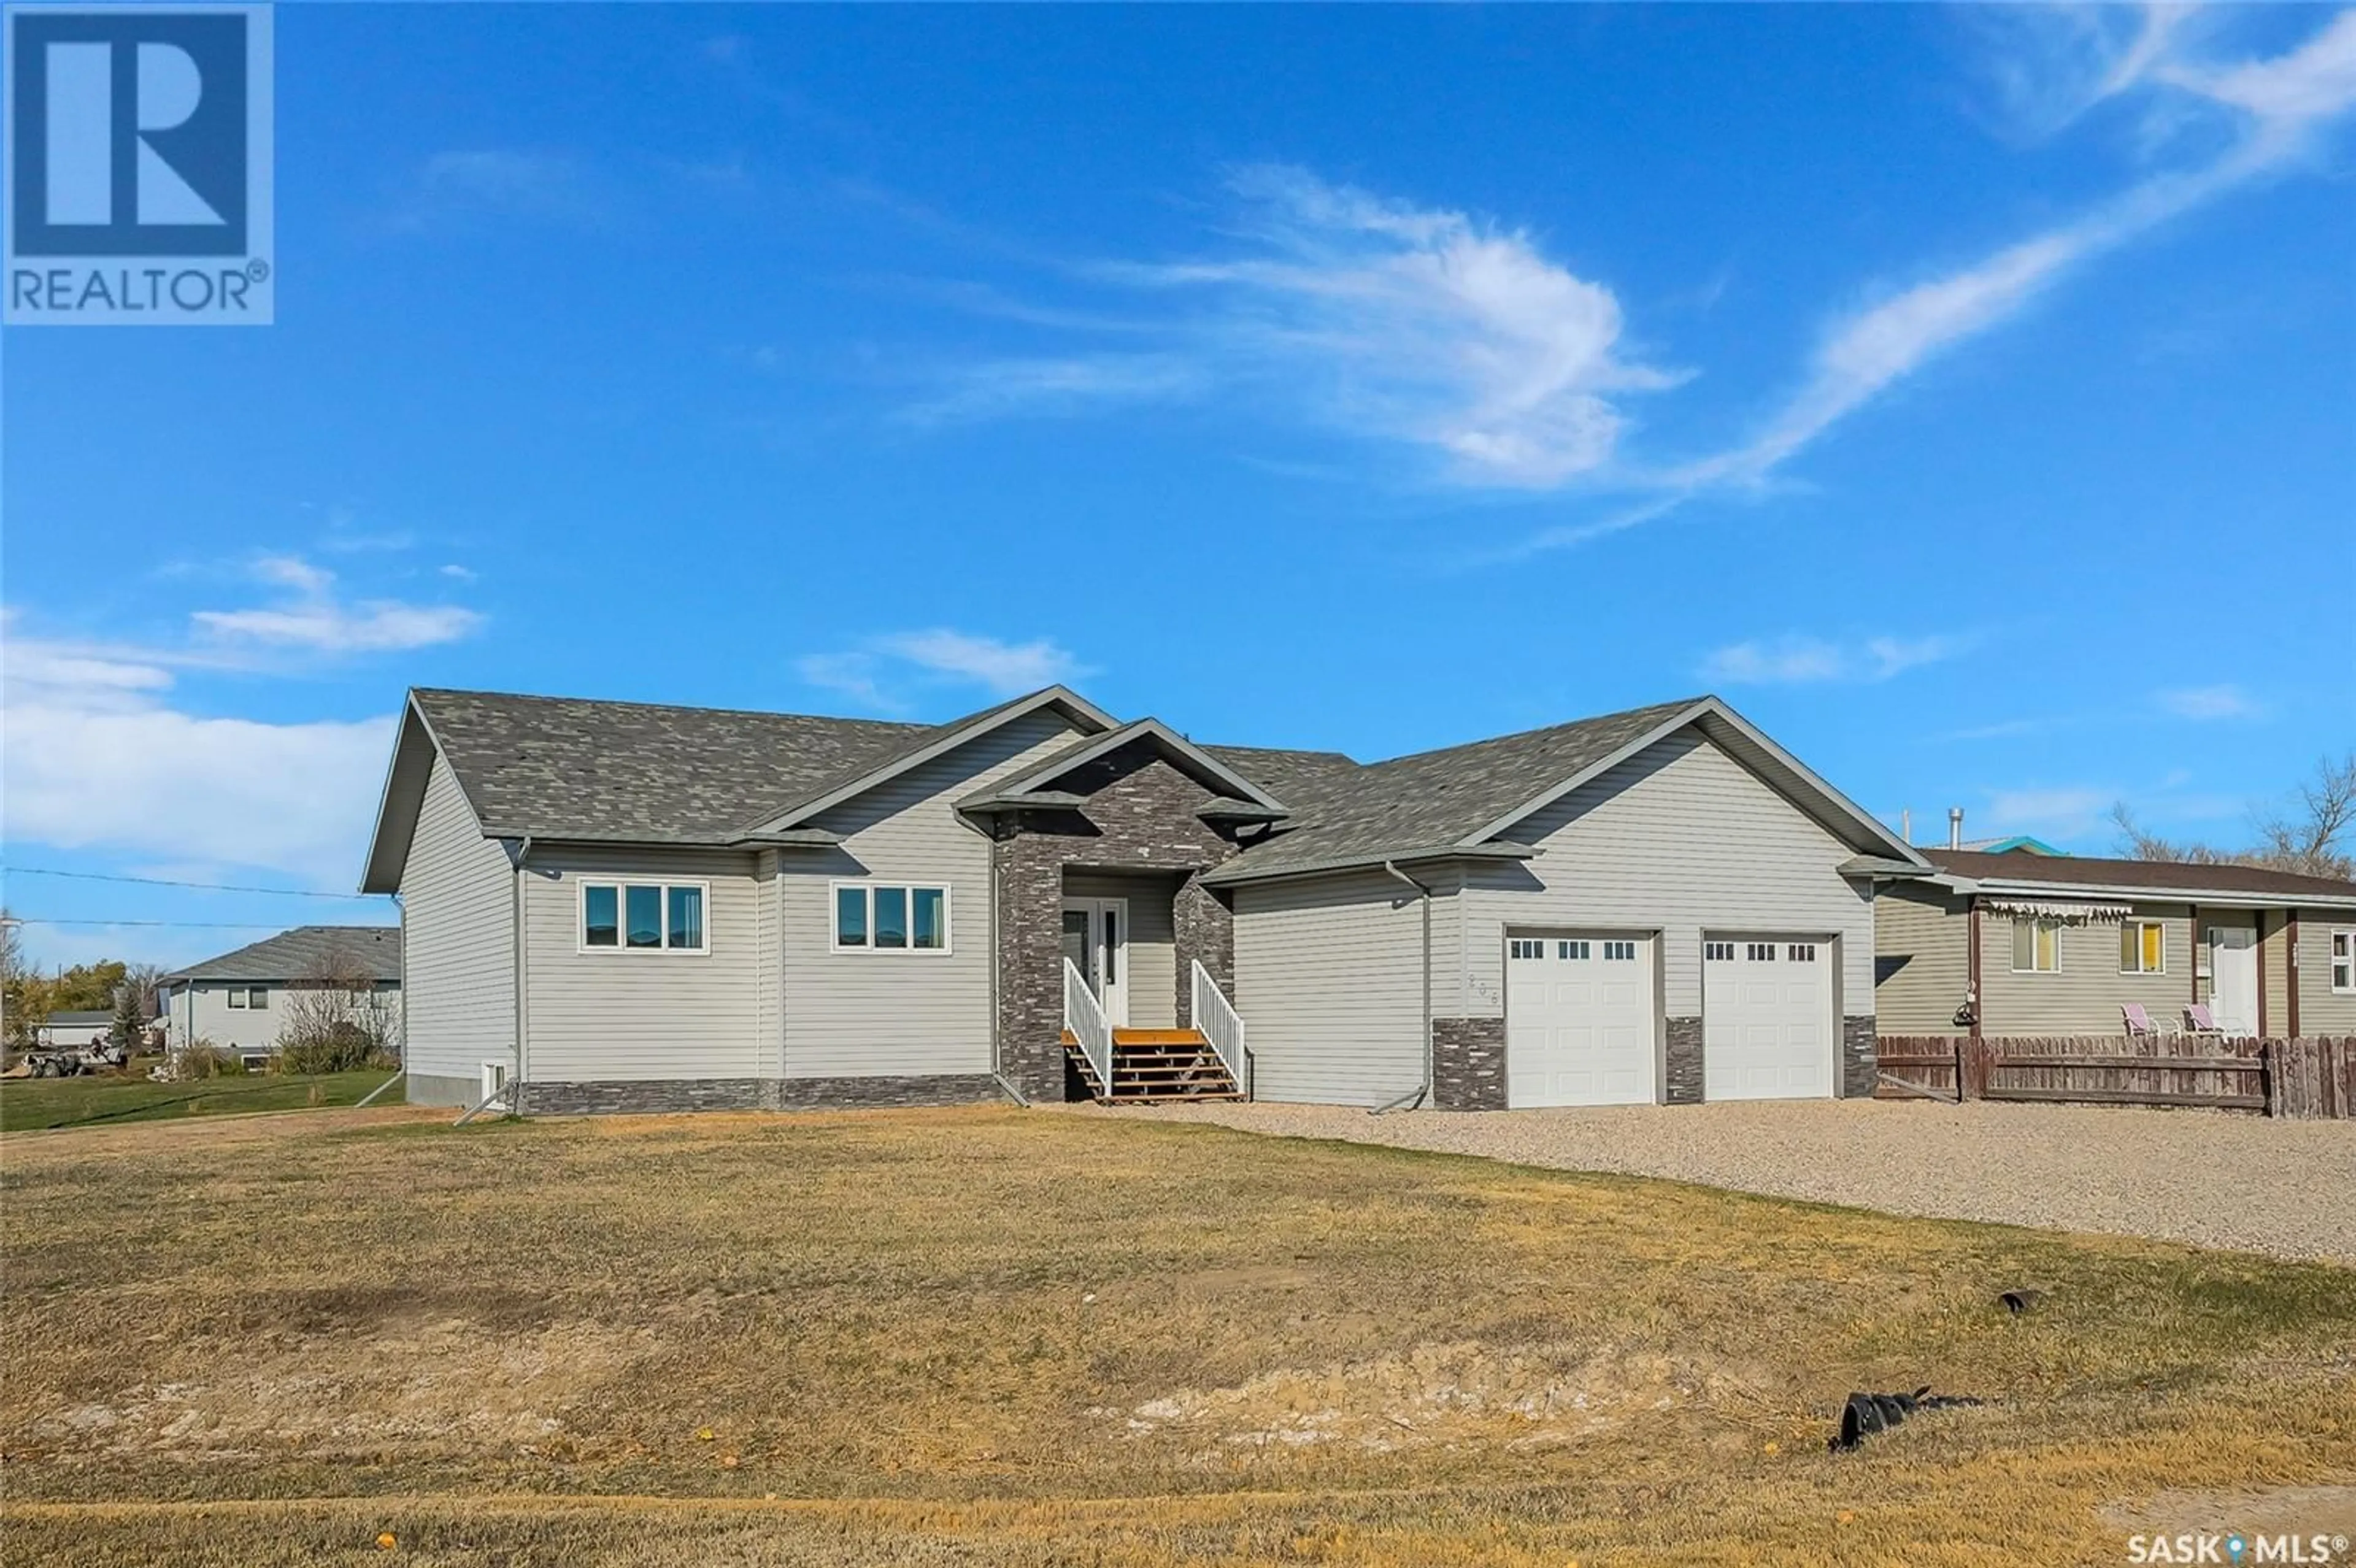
[[74, 1029], [238, 1001], [2040, 945], [617, 906]]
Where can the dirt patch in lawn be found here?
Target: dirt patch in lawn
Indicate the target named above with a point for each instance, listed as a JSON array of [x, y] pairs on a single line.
[[1464, 1392]]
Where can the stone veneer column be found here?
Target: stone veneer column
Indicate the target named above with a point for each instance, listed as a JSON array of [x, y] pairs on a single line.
[[1468, 1064], [1205, 928], [1029, 886], [1685, 1064], [1860, 1065]]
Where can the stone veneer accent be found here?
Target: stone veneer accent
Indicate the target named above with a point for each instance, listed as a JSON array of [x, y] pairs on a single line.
[[1684, 1065], [652, 1096], [1140, 817], [1860, 1063], [1468, 1064]]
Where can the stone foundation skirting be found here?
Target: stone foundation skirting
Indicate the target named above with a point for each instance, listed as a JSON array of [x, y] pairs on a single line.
[[1468, 1064], [662, 1095], [1684, 1065], [1861, 1064]]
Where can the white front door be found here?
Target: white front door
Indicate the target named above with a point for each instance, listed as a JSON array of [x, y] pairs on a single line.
[[1579, 1020], [1766, 1018], [1096, 939], [2234, 978]]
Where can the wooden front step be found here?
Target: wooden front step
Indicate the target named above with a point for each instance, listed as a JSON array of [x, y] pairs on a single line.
[[1156, 1065]]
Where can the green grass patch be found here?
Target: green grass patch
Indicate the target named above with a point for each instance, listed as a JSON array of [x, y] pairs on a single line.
[[31, 1105]]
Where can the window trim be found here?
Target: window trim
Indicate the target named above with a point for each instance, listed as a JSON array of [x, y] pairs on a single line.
[[2013, 954], [2331, 961], [911, 886], [2139, 926], [620, 883]]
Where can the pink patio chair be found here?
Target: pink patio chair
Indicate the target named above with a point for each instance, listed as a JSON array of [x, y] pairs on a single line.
[[2203, 1020], [2139, 1022]]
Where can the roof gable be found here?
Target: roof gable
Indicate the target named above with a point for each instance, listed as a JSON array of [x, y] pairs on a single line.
[[1468, 799], [1190, 759]]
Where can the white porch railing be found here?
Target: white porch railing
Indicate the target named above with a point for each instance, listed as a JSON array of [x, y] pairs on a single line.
[[1084, 1016], [1221, 1025]]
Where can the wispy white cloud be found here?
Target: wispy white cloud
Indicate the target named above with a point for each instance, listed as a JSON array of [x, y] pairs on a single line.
[[2207, 703], [1005, 388], [499, 182], [1454, 334], [310, 614], [2054, 812], [98, 756], [1796, 659], [2274, 106], [888, 671]]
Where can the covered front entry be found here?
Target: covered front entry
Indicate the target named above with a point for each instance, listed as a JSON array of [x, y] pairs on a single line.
[[1767, 1017], [1579, 1019]]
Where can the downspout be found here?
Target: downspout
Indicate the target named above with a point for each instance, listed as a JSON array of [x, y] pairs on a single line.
[[1423, 1091], [523, 978]]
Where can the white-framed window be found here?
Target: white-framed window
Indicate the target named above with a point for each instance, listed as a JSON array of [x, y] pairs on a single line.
[[249, 995], [237, 996], [1760, 952], [645, 917], [1619, 952], [2343, 961], [1800, 952], [1525, 947], [2036, 947], [891, 917], [2143, 948], [1577, 950], [1717, 951]]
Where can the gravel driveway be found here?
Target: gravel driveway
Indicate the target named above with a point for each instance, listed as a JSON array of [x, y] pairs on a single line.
[[2204, 1178]]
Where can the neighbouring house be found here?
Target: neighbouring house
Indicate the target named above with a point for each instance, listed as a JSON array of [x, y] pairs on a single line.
[[2033, 945], [239, 1000], [73, 1031], [615, 906]]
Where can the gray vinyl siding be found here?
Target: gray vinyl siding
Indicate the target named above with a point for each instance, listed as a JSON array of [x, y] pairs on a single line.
[[1153, 945], [1679, 839], [1329, 981], [2086, 994], [616, 1014], [2320, 1011], [247, 1029], [866, 1013], [457, 939], [1922, 946]]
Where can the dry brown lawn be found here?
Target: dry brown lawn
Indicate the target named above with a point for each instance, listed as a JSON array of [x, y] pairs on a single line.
[[995, 1337]]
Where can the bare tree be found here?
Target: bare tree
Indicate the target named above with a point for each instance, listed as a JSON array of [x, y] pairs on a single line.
[[2313, 836], [2310, 835], [335, 1019]]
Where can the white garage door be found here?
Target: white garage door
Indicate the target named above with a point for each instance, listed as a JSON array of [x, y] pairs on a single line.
[[1579, 1020], [1767, 1019]]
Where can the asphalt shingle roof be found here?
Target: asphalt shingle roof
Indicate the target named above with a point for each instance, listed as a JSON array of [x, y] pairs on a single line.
[[2083, 870], [566, 767], [303, 952], [1431, 799]]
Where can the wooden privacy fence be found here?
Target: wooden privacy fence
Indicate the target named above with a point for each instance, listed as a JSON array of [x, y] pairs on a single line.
[[2277, 1077]]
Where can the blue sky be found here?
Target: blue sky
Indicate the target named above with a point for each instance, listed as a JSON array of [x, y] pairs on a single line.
[[1965, 394]]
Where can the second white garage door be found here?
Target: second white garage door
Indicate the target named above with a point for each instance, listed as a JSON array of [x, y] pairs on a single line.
[[1579, 1020], [1766, 1014]]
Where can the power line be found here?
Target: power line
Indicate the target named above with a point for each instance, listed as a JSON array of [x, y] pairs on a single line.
[[176, 925], [172, 882]]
